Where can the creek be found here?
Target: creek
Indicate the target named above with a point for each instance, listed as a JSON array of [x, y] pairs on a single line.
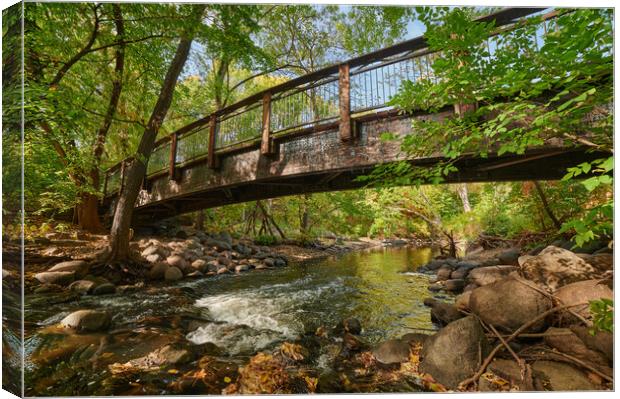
[[230, 316]]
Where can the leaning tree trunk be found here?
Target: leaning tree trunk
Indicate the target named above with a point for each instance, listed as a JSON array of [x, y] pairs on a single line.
[[121, 224], [461, 189]]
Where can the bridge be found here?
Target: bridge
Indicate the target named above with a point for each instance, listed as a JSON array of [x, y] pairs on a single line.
[[317, 133]]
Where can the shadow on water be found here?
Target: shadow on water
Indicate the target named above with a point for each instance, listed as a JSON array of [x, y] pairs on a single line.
[[238, 315]]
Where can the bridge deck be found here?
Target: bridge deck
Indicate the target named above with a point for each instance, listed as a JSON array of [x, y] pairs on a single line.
[[316, 133]]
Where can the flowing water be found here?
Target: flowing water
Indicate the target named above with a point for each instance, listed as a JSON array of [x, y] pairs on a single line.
[[235, 316]]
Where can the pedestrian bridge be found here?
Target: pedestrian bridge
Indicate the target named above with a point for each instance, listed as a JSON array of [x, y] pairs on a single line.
[[317, 133]]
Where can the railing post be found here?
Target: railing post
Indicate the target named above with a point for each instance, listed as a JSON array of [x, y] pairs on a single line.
[[173, 157], [266, 144], [122, 179], [344, 96], [212, 161]]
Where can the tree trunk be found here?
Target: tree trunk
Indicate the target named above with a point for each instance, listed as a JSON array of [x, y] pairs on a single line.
[[461, 189], [200, 220], [545, 203], [88, 213], [303, 219], [120, 233]]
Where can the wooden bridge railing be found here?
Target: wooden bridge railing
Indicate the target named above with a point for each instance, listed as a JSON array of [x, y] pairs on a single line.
[[324, 99]]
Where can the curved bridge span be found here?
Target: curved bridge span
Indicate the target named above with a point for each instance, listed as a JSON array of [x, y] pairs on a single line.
[[318, 133]]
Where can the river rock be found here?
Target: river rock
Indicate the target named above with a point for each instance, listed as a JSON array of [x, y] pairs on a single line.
[[48, 288], [602, 262], [510, 257], [444, 313], [261, 266], [489, 274], [601, 341], [510, 371], [444, 273], [454, 352], [153, 258], [438, 286], [392, 351], [87, 321], [454, 285], [201, 265], [223, 270], [567, 342], [173, 355], [352, 325], [556, 267], [460, 273], [177, 261], [151, 250], [59, 278], [173, 274], [220, 245], [507, 304], [280, 262], [578, 296], [223, 260], [103, 289], [158, 271], [79, 267], [241, 268], [462, 301], [415, 338], [559, 376]]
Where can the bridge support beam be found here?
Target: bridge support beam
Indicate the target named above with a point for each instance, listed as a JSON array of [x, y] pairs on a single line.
[[267, 146], [344, 94]]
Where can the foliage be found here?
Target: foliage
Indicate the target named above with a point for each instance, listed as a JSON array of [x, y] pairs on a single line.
[[265, 240], [602, 311], [528, 89]]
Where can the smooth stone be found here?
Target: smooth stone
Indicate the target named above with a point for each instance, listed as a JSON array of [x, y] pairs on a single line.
[[87, 321], [59, 278], [81, 286], [173, 274], [562, 376], [79, 267], [158, 271], [392, 351], [104, 289]]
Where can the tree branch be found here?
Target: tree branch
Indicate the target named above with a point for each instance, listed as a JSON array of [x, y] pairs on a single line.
[[85, 50]]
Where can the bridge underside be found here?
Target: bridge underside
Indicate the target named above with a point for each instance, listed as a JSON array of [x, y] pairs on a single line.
[[318, 161]]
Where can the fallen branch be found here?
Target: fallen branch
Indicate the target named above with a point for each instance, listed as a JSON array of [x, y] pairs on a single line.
[[473, 379]]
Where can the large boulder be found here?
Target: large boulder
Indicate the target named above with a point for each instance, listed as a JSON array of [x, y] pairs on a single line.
[[566, 341], [578, 296], [454, 353], [601, 341], [79, 267], [556, 267], [392, 351], [462, 301], [558, 376], [489, 274], [87, 321], [602, 262], [509, 303], [60, 278]]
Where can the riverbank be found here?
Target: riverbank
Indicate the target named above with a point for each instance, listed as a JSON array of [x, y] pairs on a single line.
[[529, 315]]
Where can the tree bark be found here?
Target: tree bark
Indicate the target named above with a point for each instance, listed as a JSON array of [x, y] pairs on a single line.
[[545, 204], [87, 209], [461, 189], [120, 233]]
